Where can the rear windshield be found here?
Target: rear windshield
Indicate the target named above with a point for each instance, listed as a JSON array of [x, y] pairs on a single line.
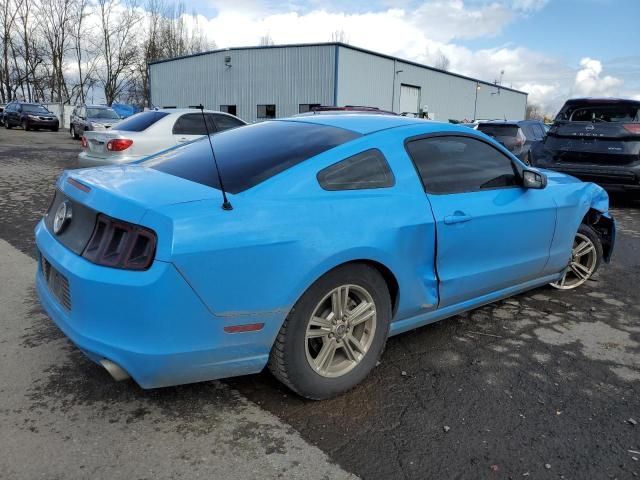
[[614, 113], [249, 155], [102, 113], [140, 121], [499, 130]]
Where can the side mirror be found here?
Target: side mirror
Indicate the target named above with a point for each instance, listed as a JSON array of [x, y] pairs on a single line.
[[533, 179]]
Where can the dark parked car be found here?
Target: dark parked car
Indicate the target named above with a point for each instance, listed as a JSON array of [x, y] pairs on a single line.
[[30, 116], [596, 140], [2, 106], [92, 117], [516, 136]]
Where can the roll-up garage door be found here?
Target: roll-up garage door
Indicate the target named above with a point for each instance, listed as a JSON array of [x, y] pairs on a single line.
[[409, 99]]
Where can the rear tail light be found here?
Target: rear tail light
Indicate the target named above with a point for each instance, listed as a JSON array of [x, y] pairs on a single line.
[[633, 128], [85, 144], [119, 144], [119, 244]]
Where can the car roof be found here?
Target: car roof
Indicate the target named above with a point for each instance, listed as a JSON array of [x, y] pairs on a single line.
[[185, 110], [601, 100], [358, 122]]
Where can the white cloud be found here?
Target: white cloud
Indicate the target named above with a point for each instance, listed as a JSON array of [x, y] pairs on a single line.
[[422, 34], [590, 82], [529, 5]]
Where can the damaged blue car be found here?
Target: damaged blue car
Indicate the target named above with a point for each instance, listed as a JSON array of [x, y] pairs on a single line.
[[337, 232]]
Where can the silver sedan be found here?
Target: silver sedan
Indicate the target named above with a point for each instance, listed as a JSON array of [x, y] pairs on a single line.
[[150, 132]]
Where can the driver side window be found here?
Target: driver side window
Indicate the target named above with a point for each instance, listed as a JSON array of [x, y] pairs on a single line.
[[451, 164]]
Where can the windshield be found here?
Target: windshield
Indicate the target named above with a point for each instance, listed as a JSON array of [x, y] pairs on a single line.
[[104, 113], [612, 113], [249, 155], [34, 109]]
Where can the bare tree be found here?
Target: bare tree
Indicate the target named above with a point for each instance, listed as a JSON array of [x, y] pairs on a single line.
[[266, 40], [85, 59], [118, 48], [339, 36], [534, 112], [8, 14], [168, 35], [442, 61], [55, 22]]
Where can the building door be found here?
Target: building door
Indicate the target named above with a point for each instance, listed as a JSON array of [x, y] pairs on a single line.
[[409, 99]]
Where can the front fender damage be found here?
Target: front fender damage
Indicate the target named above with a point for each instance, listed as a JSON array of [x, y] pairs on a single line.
[[599, 218]]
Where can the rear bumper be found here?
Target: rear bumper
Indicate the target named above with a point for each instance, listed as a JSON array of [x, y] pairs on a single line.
[[150, 323]]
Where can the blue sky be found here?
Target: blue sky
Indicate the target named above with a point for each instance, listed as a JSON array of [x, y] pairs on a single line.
[[553, 49]]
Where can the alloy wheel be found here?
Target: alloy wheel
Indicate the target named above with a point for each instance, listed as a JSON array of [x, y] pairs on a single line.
[[584, 259], [340, 331]]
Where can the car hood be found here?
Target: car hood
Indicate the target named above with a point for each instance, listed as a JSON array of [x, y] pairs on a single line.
[[127, 192]]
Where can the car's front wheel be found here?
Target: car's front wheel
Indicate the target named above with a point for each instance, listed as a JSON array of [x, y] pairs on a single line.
[[73, 132], [586, 255], [335, 333], [25, 125]]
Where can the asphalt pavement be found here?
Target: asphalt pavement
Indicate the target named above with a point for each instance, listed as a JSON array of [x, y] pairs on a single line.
[[543, 385]]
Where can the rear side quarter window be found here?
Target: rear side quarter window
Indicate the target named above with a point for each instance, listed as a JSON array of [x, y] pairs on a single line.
[[366, 170]]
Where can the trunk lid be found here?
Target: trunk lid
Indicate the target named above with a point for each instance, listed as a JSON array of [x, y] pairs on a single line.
[[127, 192]]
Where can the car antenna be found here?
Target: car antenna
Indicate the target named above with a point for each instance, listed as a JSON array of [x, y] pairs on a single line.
[[226, 204]]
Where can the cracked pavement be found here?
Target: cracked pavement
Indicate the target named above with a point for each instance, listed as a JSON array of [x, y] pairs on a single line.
[[544, 379]]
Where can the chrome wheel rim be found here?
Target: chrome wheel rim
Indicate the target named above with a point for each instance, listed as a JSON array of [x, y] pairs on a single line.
[[582, 265], [340, 330]]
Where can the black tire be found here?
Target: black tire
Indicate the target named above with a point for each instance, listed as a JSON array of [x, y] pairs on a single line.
[[55, 129], [288, 361], [7, 125], [73, 133], [25, 126]]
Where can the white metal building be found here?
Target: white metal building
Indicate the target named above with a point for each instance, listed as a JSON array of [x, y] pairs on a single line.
[[256, 83]]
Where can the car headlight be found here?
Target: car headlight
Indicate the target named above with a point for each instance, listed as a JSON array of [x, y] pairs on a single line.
[[33, 117]]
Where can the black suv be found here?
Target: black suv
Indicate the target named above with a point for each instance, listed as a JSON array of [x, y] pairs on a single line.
[[29, 116], [516, 136], [596, 140]]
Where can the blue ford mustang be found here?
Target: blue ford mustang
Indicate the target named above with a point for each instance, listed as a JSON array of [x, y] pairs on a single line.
[[343, 230]]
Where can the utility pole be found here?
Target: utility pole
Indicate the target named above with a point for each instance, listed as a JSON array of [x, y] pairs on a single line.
[[475, 103]]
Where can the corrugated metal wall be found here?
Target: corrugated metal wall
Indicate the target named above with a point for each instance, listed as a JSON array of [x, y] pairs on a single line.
[[285, 77], [366, 79], [292, 75]]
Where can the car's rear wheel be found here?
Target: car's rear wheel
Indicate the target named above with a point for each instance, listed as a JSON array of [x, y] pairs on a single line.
[[25, 125], [586, 256], [335, 333]]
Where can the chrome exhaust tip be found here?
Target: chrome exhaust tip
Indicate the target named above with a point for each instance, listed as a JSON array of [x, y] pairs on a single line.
[[115, 370]]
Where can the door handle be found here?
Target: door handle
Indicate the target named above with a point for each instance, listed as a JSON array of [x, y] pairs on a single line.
[[457, 217]]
